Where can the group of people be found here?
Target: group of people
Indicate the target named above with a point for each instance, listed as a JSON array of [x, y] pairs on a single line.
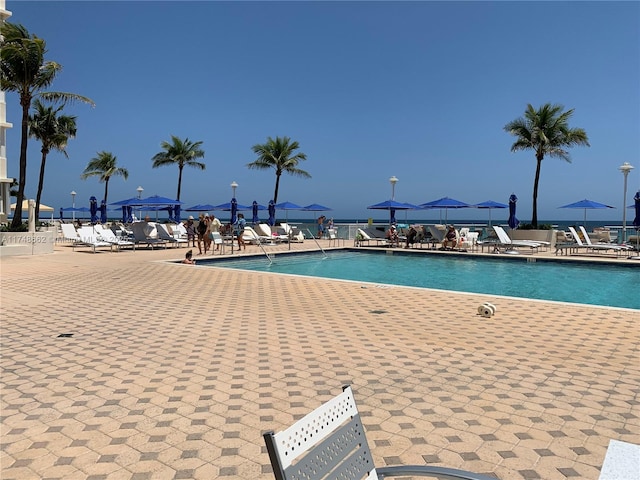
[[450, 239], [321, 226], [202, 233]]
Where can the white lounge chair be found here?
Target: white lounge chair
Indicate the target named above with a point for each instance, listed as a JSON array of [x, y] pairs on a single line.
[[89, 238], [106, 235], [252, 237], [163, 234], [142, 235], [511, 245], [265, 230], [601, 246], [70, 234]]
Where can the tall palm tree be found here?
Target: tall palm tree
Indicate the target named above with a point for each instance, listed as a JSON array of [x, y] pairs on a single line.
[[104, 166], [180, 152], [53, 131], [23, 70], [279, 155], [546, 131]]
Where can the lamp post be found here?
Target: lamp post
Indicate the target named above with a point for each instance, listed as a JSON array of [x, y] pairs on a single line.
[[625, 168], [73, 205], [234, 185], [140, 190], [393, 180]]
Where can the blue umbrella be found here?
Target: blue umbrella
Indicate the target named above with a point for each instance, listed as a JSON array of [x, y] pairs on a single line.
[[103, 212], [93, 208], [170, 210], [155, 200], [272, 213], [128, 201], [286, 206], [125, 217], [392, 206], [586, 204], [513, 221], [490, 204], [234, 211], [129, 214], [444, 203], [201, 208], [636, 200], [226, 207], [314, 207], [176, 213]]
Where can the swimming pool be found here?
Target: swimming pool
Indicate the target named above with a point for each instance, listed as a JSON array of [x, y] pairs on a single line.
[[589, 283]]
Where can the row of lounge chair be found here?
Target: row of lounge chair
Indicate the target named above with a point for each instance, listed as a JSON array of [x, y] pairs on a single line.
[[153, 235]]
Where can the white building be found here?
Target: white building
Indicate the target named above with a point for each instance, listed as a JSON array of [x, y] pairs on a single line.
[[5, 182]]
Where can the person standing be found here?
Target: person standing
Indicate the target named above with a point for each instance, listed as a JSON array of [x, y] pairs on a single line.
[[321, 225], [241, 223], [191, 231], [201, 229]]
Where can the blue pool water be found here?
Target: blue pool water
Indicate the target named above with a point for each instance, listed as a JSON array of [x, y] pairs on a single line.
[[589, 283]]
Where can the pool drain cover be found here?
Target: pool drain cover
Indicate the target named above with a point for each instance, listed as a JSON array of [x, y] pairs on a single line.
[[65, 335]]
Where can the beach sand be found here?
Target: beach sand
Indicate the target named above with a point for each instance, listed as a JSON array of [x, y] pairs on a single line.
[[175, 371]]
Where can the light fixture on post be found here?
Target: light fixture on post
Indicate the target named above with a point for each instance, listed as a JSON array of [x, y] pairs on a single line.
[[234, 185], [393, 180], [140, 190], [73, 204], [625, 168]]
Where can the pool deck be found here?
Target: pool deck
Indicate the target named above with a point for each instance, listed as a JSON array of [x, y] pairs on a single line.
[[175, 371]]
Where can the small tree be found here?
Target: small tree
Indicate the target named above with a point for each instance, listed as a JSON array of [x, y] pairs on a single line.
[[181, 153], [53, 131], [545, 131], [279, 155], [104, 166]]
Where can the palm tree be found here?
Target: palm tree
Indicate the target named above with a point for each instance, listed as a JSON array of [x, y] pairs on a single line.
[[53, 131], [104, 167], [545, 131], [23, 70], [181, 152], [278, 154]]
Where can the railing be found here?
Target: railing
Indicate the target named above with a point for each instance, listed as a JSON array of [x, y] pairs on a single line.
[[317, 243], [259, 243]]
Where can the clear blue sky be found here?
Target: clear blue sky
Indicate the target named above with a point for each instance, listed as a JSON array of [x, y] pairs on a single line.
[[419, 90]]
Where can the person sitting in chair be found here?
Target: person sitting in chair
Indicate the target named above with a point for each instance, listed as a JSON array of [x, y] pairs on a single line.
[[450, 239], [392, 235]]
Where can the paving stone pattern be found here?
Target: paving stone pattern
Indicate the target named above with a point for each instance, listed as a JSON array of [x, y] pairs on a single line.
[[121, 366]]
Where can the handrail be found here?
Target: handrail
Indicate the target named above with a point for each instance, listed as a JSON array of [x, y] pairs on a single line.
[[266, 254], [319, 246]]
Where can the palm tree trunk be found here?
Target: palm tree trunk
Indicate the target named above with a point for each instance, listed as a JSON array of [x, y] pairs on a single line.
[[275, 193], [534, 216], [25, 102], [40, 183], [180, 167], [106, 189]]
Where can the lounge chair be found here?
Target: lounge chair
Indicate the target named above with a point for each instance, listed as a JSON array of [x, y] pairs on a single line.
[[600, 245], [511, 246], [293, 233], [89, 238], [330, 443], [368, 235], [70, 234], [106, 235], [163, 234], [265, 230], [142, 235], [252, 237]]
